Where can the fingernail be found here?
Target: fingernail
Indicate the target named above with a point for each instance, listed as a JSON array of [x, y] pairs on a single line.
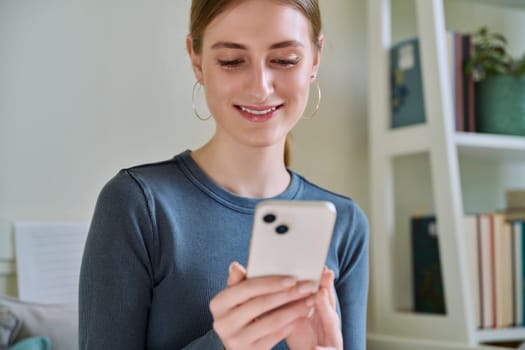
[[288, 282], [231, 267], [310, 313]]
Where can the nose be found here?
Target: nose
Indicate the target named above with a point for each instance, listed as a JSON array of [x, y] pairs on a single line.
[[260, 83]]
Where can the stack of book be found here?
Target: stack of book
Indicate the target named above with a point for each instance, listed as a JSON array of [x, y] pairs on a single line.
[[495, 254], [407, 97]]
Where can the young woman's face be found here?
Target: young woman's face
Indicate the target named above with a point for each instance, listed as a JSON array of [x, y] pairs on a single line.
[[257, 63]]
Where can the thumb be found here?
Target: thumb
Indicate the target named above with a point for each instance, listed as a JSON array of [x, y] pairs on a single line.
[[329, 321], [236, 274], [327, 281]]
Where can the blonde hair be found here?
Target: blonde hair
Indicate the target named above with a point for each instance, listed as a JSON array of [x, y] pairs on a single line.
[[204, 11]]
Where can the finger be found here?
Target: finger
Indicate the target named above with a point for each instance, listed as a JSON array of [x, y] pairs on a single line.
[[270, 340], [329, 319], [279, 318], [325, 278], [248, 289], [236, 273], [327, 281], [257, 307]]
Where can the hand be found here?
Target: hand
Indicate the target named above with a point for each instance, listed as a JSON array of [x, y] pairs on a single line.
[[260, 312], [323, 329]]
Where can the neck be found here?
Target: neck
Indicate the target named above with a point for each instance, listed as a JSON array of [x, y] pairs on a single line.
[[255, 172]]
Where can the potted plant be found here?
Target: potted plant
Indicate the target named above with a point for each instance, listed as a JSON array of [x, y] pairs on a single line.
[[500, 84]]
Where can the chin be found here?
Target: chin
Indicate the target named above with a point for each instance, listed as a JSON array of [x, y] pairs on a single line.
[[265, 142]]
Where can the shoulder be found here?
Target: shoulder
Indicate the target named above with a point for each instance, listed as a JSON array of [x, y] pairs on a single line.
[[347, 208], [152, 173], [351, 232], [148, 177], [350, 240], [134, 185]]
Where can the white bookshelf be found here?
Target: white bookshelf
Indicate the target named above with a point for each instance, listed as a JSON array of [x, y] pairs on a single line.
[[508, 3], [511, 148], [445, 148]]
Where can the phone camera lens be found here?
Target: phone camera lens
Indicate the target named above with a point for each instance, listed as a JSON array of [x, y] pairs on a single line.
[[269, 218], [281, 229]]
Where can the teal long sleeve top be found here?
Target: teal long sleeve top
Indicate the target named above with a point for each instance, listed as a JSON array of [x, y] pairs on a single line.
[[158, 250]]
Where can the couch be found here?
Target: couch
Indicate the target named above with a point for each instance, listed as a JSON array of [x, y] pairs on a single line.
[[53, 323]]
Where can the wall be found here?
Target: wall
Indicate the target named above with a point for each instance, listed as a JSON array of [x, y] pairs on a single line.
[[89, 87]]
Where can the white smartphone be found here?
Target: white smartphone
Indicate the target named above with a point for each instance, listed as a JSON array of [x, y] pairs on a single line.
[[291, 238]]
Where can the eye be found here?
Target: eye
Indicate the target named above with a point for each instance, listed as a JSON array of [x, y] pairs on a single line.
[[230, 63], [286, 62]]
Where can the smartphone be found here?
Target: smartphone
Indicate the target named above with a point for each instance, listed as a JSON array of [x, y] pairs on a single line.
[[290, 238]]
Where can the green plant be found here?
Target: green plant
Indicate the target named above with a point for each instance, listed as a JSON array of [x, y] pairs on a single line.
[[490, 57]]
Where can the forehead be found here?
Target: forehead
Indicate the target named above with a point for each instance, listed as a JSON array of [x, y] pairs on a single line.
[[256, 21]]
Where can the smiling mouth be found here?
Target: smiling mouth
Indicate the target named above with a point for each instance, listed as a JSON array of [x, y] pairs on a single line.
[[258, 111]]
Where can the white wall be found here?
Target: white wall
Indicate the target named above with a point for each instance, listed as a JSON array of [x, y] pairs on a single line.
[[89, 87]]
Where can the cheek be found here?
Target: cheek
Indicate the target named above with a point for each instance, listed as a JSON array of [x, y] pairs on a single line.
[[297, 87], [218, 87], [220, 82], [299, 90]]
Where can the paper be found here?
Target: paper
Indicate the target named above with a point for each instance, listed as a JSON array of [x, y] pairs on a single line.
[[406, 57], [48, 257]]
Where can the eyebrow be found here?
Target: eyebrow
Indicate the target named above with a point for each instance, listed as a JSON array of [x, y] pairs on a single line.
[[279, 45]]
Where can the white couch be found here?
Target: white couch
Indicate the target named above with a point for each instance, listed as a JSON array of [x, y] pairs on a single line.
[[58, 322]]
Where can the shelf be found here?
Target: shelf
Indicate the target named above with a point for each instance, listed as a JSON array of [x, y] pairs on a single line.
[[488, 146], [499, 3], [504, 334], [415, 139]]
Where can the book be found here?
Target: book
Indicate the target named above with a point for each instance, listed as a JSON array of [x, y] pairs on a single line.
[[407, 96], [515, 215], [457, 80], [521, 227], [515, 199], [517, 283], [487, 302], [468, 86], [470, 226], [407, 89], [428, 291], [503, 271], [515, 205]]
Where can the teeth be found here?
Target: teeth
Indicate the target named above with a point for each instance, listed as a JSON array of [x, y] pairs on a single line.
[[251, 111]]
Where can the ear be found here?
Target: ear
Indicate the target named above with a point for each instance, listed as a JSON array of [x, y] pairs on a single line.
[[317, 57], [195, 59]]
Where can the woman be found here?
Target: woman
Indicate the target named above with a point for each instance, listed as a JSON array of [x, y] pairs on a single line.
[[162, 263]]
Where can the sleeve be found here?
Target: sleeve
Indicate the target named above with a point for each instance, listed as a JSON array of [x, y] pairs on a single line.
[[118, 271], [210, 341], [116, 275], [352, 284]]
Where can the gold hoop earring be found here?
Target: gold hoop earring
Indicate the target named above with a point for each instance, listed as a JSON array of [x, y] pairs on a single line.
[[318, 101], [194, 106]]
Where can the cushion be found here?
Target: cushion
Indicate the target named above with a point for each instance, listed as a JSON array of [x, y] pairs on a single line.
[[34, 343], [58, 322], [10, 326]]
